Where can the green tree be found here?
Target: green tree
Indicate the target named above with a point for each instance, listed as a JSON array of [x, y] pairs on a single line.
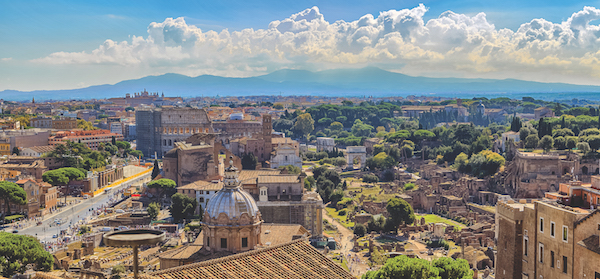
[[249, 161], [19, 251], [400, 213], [403, 267], [155, 170], [62, 177], [182, 206], [153, 210], [85, 125], [336, 196], [165, 185], [546, 143], [572, 142], [593, 141], [557, 109], [560, 143], [12, 193], [531, 141], [304, 124], [516, 124], [16, 151], [381, 161], [453, 269], [583, 147], [461, 162], [336, 126], [360, 230]]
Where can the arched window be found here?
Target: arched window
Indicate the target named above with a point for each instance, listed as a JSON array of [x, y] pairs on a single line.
[[170, 143]]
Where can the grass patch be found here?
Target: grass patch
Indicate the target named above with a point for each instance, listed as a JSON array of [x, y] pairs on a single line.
[[13, 217], [374, 192], [343, 219], [432, 218]]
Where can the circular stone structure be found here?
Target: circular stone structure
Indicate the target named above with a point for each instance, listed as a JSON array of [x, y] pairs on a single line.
[[134, 238]]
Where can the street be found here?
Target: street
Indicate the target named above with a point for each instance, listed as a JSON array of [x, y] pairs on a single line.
[[73, 214]]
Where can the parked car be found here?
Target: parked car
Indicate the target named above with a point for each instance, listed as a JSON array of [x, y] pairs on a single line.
[[15, 231], [55, 236]]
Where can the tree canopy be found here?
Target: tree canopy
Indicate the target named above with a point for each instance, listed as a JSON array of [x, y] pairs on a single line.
[[400, 213], [182, 206], [18, 251], [304, 124], [403, 267], [12, 193]]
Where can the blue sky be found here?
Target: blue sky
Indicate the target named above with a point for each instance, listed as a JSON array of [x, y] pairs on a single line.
[[71, 44]]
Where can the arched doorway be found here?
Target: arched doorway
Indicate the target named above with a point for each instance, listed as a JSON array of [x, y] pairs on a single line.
[[584, 170]]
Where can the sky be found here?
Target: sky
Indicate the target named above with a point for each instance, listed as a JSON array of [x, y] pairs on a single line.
[[48, 45]]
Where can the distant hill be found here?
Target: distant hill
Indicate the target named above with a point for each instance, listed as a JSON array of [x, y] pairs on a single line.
[[368, 81]]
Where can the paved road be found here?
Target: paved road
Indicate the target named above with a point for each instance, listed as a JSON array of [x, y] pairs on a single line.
[[73, 214]]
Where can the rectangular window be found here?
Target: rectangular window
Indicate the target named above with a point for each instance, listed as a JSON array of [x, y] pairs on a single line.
[[541, 225], [551, 258], [564, 264], [565, 234], [224, 243], [525, 246], [552, 225], [244, 242], [541, 254]]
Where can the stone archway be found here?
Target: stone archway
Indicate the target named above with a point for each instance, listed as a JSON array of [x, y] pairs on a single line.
[[584, 170], [356, 153]]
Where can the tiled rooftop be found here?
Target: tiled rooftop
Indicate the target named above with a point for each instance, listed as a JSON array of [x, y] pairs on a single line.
[[278, 179], [292, 260]]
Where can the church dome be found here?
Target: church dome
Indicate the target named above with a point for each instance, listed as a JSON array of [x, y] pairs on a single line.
[[232, 202], [231, 199]]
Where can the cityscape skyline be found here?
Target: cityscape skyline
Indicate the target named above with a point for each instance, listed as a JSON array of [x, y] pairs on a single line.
[[111, 42]]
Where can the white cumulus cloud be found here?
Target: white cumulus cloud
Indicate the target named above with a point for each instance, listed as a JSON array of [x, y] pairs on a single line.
[[399, 39]]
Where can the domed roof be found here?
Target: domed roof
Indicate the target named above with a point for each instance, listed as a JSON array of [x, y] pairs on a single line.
[[231, 199], [480, 104]]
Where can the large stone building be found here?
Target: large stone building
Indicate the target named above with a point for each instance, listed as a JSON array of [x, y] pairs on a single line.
[[260, 145], [158, 129], [545, 239], [196, 158], [91, 139], [26, 138], [531, 175]]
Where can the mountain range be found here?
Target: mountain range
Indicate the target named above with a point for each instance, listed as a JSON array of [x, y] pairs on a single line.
[[368, 81]]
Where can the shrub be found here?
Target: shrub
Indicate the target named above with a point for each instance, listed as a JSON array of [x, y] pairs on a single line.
[[409, 186], [360, 230], [370, 178], [343, 212], [438, 243]]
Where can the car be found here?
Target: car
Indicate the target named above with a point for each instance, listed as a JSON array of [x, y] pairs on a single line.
[[15, 231], [54, 236]]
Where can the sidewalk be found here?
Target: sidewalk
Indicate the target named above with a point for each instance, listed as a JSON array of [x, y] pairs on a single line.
[[30, 223]]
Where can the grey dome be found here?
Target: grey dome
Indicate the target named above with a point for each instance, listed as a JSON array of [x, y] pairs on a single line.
[[232, 201]]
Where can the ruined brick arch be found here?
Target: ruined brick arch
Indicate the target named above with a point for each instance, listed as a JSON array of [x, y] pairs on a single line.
[[584, 170]]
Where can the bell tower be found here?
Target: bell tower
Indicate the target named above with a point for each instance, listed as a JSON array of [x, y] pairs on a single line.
[[267, 130]]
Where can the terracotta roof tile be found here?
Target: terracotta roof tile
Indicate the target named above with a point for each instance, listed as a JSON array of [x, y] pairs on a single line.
[[281, 178], [202, 185], [292, 260], [253, 174]]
